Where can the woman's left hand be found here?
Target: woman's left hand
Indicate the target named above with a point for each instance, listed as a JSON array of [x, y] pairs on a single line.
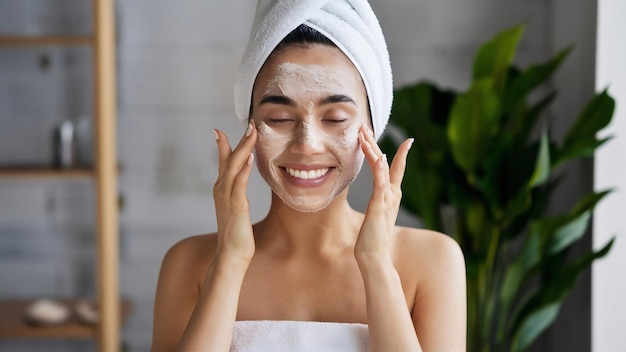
[[375, 236]]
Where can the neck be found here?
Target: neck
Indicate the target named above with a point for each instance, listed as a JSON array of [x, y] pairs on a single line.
[[326, 232]]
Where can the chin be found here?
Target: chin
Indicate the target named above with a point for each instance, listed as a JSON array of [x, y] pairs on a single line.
[[305, 206], [309, 200]]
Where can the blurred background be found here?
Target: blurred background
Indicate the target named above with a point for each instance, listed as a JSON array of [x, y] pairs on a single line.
[[176, 62]]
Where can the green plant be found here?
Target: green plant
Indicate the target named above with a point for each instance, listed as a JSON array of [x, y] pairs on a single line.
[[478, 159]]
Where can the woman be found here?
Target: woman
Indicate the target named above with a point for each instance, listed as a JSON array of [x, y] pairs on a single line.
[[314, 274]]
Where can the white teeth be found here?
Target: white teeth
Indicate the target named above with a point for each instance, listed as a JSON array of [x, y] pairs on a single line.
[[306, 175]]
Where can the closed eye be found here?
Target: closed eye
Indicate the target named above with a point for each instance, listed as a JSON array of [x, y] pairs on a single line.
[[280, 120], [335, 121]]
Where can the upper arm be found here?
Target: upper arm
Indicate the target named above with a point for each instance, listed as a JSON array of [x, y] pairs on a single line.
[[439, 310], [176, 295]]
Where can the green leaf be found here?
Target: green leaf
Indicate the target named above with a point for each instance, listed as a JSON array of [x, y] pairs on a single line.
[[516, 169], [530, 118], [473, 122], [532, 77], [569, 233], [572, 273], [534, 325], [422, 185], [539, 199], [542, 165], [421, 111], [580, 149], [595, 116], [554, 292], [590, 201], [411, 106], [511, 282], [576, 223], [425, 193], [530, 254], [486, 184], [520, 269], [495, 56]]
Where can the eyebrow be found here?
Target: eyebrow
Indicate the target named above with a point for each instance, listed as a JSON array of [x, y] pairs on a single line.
[[283, 100], [337, 98], [277, 99]]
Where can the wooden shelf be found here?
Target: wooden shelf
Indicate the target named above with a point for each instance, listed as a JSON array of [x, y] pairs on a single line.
[[18, 40], [44, 172], [14, 325], [103, 45]]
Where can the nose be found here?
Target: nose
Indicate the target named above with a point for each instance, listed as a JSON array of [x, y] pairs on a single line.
[[307, 140]]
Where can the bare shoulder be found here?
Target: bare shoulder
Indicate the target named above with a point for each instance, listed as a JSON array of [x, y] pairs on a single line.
[[426, 243], [180, 278], [184, 266], [432, 270], [191, 255], [425, 253]]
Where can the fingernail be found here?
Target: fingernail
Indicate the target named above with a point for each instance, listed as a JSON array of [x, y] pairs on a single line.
[[411, 140], [249, 130], [217, 136], [385, 158], [250, 158]]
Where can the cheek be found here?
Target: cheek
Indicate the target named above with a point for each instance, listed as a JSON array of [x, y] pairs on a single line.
[[348, 142], [355, 161], [348, 149], [269, 146]]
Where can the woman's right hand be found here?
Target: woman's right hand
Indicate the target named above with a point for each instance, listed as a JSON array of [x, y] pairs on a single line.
[[188, 319], [232, 209]]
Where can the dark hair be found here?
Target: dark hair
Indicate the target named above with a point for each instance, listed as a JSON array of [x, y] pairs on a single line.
[[303, 36]]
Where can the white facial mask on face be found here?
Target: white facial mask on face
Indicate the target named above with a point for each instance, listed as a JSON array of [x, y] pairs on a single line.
[[307, 141]]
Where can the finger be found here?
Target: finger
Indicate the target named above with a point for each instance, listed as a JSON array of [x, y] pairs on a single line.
[[240, 184], [398, 165], [369, 137], [240, 154], [377, 201], [368, 151], [223, 148], [374, 151]]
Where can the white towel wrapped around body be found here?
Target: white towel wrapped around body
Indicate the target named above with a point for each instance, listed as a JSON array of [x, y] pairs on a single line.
[[299, 336], [349, 24]]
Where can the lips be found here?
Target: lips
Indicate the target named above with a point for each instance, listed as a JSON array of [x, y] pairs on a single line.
[[306, 175]]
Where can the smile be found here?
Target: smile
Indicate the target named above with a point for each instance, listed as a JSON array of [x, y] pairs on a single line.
[[307, 174]]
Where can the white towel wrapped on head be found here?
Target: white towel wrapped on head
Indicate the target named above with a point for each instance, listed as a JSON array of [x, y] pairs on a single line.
[[349, 24]]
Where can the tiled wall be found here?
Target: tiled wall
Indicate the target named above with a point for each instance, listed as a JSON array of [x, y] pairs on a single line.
[[177, 60]]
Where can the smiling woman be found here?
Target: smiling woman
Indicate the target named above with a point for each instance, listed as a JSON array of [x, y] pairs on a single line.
[[314, 274], [308, 123]]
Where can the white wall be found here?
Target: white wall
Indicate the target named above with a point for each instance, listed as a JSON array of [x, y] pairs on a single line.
[[609, 280]]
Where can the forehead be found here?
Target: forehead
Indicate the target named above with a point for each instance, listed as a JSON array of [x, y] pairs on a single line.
[[317, 65]]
